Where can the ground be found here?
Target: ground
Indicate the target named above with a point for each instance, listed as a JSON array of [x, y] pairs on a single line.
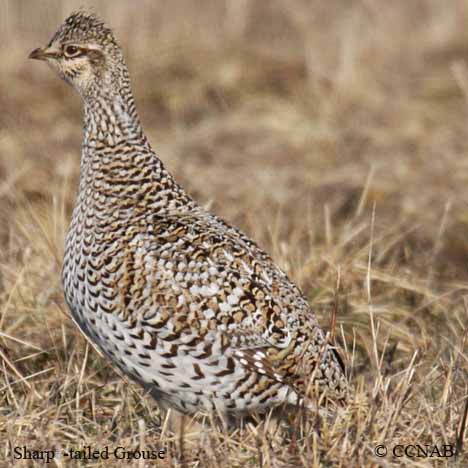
[[335, 134]]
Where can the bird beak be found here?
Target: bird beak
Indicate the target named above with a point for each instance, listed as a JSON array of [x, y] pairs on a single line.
[[43, 54]]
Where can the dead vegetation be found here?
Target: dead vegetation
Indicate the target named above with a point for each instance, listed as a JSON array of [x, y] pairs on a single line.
[[334, 133]]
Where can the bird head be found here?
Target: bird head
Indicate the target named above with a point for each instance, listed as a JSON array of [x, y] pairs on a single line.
[[85, 53]]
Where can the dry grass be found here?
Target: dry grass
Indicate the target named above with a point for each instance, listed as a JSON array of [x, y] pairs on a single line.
[[335, 133]]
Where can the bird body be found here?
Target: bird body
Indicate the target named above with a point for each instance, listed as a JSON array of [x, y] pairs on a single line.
[[178, 299]]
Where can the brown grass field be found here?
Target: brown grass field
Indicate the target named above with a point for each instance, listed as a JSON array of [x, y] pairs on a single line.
[[335, 133]]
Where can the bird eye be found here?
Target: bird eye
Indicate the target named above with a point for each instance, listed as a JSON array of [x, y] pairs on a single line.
[[71, 51]]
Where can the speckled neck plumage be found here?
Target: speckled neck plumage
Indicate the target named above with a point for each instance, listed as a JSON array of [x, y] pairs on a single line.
[[118, 162], [176, 298]]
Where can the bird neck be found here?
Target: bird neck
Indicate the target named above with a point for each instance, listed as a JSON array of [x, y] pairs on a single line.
[[112, 119], [119, 171]]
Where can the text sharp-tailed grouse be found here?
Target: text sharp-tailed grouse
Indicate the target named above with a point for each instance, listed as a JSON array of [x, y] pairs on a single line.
[[178, 299]]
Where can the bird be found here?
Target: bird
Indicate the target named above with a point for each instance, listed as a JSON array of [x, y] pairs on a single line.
[[179, 300]]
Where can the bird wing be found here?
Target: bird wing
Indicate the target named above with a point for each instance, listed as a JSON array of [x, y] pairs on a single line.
[[210, 282], [220, 277]]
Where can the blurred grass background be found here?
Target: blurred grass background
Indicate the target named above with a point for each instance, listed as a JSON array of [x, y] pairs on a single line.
[[331, 132]]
